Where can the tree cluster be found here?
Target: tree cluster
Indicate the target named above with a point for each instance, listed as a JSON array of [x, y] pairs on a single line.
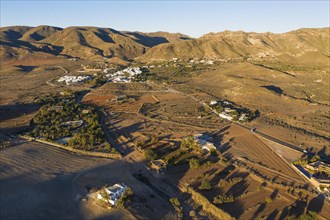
[[177, 206], [194, 164], [205, 185], [61, 116], [220, 199]]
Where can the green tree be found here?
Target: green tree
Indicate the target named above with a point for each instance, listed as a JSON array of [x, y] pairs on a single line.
[[268, 200], [205, 185], [125, 199], [310, 215], [175, 201], [194, 164], [177, 206], [315, 158], [149, 154], [71, 142], [222, 199], [154, 139]]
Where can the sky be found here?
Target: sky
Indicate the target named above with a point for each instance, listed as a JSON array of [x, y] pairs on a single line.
[[193, 18]]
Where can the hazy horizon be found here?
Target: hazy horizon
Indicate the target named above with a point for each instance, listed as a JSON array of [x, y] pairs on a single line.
[[193, 18]]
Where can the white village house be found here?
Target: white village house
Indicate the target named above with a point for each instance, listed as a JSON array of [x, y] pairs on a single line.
[[206, 145], [203, 140], [213, 102], [242, 117], [126, 75], [225, 116], [114, 193], [73, 79]]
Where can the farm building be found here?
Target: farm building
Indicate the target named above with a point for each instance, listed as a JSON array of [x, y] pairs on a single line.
[[213, 102], [225, 116], [113, 193], [158, 165], [204, 141]]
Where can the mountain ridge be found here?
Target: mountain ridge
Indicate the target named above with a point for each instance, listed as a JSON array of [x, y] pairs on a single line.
[[80, 41], [302, 43], [88, 42]]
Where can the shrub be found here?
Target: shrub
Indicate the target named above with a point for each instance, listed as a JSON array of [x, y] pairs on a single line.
[[315, 158], [194, 164], [140, 144], [192, 213], [177, 206], [149, 154], [125, 199], [268, 200], [154, 139], [205, 185], [310, 215], [222, 199], [207, 206], [322, 187]]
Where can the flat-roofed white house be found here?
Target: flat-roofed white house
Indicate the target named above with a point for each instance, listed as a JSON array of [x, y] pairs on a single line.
[[114, 193], [213, 102], [203, 140], [206, 145], [242, 117], [225, 116]]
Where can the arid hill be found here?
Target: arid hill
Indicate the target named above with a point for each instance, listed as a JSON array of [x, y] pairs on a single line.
[[303, 45], [82, 42]]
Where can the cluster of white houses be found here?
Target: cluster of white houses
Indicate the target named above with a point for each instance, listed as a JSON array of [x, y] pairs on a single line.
[[195, 60], [113, 193], [73, 79], [126, 75]]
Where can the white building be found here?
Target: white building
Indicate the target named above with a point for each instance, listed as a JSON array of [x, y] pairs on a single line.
[[242, 117], [74, 79], [114, 193], [126, 75], [203, 140], [206, 145], [227, 110], [225, 116], [213, 102]]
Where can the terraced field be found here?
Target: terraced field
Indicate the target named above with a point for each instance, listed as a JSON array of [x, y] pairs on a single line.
[[246, 144]]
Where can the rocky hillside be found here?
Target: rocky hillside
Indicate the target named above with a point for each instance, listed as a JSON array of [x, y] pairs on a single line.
[[305, 44], [82, 42]]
